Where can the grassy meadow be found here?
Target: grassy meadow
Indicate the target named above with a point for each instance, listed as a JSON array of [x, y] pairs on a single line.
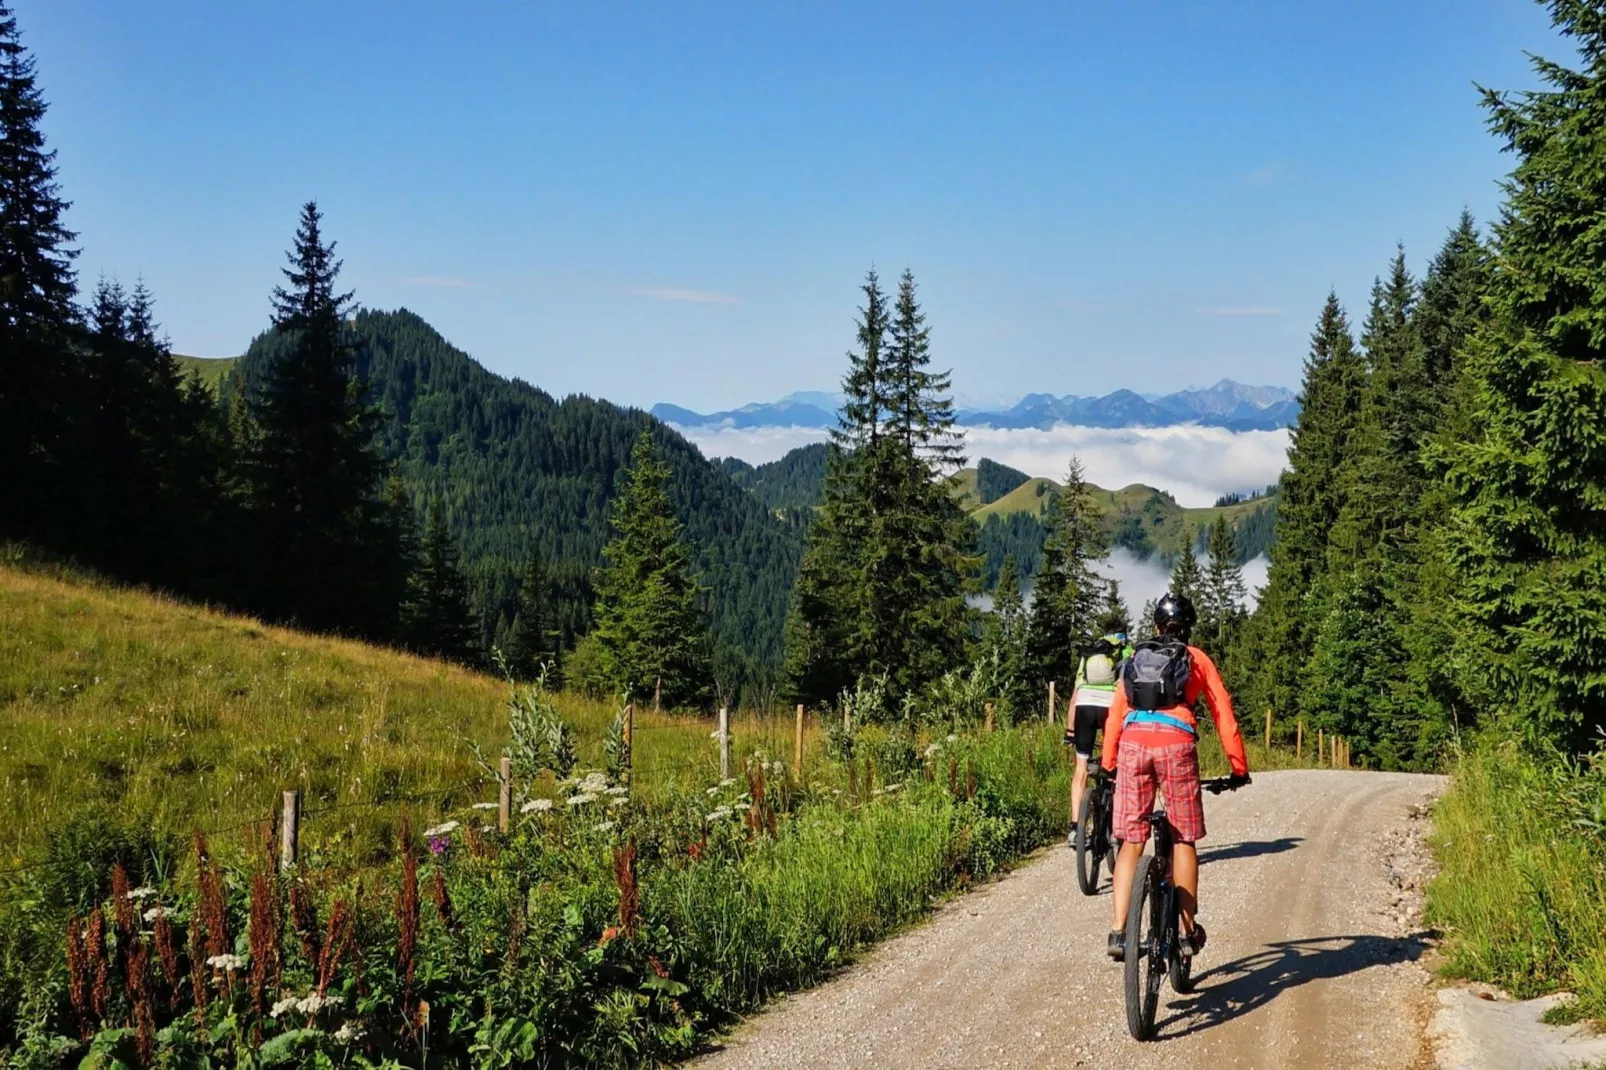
[[116, 700], [1521, 893]]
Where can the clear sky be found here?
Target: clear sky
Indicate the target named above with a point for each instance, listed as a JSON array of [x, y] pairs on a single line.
[[676, 201]]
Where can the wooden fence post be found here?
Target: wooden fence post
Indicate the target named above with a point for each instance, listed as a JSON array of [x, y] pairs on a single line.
[[989, 708], [797, 747], [724, 742], [504, 794], [1321, 745], [1299, 741], [290, 830], [1333, 758], [1268, 728], [1051, 702]]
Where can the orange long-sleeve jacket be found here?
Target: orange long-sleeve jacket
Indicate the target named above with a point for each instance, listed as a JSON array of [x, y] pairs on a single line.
[[1203, 679]]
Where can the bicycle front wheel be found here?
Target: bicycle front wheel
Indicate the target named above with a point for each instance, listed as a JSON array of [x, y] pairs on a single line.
[[1088, 855], [1145, 966]]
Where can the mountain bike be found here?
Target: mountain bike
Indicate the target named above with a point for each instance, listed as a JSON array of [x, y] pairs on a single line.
[[1153, 944], [1093, 837]]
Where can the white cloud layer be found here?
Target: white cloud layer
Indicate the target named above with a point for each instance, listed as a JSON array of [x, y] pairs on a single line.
[[1195, 464], [1143, 581]]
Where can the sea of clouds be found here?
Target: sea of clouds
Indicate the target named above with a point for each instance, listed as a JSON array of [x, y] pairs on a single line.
[[1196, 465]]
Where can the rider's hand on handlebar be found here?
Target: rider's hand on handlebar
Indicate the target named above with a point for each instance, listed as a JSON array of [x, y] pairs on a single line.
[[1235, 781]]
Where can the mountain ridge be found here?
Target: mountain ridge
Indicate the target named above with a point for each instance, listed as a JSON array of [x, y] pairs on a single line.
[[1227, 404]]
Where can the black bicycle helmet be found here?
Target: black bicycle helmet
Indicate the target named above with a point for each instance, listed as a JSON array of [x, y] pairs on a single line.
[[1174, 615]]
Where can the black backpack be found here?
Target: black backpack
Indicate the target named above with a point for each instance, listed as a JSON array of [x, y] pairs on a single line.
[[1156, 675]]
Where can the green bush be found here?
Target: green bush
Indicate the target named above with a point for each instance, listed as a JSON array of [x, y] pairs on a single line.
[[1521, 893]]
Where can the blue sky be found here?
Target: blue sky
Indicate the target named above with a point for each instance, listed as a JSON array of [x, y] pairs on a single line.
[[676, 202]]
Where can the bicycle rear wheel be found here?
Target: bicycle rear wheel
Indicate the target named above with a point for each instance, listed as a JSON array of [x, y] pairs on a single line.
[[1145, 968], [1088, 855]]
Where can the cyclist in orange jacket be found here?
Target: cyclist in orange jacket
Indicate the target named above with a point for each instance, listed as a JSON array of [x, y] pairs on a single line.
[[1151, 741]]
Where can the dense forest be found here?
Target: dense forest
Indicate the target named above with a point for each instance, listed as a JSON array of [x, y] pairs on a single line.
[[516, 471], [1441, 533]]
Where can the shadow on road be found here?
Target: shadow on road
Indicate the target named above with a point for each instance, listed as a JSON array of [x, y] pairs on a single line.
[[1235, 988], [1252, 849]]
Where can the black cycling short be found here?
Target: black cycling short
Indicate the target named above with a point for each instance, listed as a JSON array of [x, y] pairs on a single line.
[[1088, 723]]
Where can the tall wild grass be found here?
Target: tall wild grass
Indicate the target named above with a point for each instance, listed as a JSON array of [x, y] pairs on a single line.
[[1521, 892]]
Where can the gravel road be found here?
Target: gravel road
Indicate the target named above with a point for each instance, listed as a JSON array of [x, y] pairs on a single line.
[[1309, 892]]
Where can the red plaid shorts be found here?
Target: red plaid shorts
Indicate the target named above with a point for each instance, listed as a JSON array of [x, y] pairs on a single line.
[[1140, 765]]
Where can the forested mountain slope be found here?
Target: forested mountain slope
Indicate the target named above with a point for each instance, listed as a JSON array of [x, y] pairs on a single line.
[[517, 469]]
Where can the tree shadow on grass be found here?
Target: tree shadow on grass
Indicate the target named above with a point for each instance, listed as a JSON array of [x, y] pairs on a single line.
[[1251, 849], [1236, 988]]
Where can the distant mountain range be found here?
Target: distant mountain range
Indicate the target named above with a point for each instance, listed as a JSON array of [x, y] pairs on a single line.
[[1228, 404]]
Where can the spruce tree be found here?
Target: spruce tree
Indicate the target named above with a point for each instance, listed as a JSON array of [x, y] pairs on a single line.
[[1115, 617], [438, 619], [881, 591], [1067, 594], [40, 428], [1006, 636], [1221, 593], [650, 629], [1185, 577], [827, 643], [327, 549], [1526, 542], [1281, 632], [532, 640]]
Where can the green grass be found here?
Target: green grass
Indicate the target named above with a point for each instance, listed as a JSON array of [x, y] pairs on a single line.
[[211, 371], [119, 700], [1521, 892]]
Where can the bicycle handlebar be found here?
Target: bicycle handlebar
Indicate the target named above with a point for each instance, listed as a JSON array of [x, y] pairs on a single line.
[[1224, 783]]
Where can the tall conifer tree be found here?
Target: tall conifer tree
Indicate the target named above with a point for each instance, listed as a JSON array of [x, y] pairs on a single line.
[[882, 587], [1221, 593], [39, 425], [1067, 594], [315, 471], [1527, 536], [650, 627], [438, 619], [533, 640], [1281, 634]]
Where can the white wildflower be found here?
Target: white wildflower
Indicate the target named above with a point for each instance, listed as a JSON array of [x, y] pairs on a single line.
[[727, 782], [226, 962], [140, 893], [711, 792], [281, 1006], [952, 738], [582, 798], [604, 826], [721, 814], [932, 748], [486, 806], [488, 828], [744, 806], [349, 1033], [618, 789], [157, 912], [312, 1003], [618, 800], [536, 806], [594, 783], [445, 828]]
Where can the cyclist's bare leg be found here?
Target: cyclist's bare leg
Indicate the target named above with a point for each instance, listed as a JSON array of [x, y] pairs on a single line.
[[1185, 877], [1078, 788], [1126, 864]]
